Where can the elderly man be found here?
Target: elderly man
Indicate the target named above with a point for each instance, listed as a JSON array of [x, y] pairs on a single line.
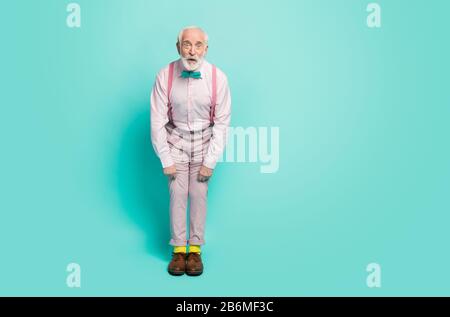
[[190, 113]]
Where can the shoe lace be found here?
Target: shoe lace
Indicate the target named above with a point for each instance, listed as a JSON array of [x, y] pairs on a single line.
[[178, 255], [195, 257]]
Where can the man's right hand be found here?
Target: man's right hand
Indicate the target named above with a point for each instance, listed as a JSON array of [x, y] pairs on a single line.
[[170, 171]]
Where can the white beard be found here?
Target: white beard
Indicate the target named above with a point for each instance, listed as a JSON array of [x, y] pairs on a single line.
[[191, 67]]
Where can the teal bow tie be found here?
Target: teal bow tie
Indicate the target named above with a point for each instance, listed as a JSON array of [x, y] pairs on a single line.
[[187, 74]]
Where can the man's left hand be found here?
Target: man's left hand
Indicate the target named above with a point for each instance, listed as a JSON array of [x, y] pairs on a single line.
[[204, 174]]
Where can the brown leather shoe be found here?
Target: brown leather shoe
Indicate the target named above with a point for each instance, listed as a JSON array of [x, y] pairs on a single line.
[[177, 265], [194, 265]]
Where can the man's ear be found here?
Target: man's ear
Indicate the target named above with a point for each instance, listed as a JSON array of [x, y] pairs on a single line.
[[206, 49], [178, 47]]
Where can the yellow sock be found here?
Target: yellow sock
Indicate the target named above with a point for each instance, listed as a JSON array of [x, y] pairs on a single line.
[[194, 249], [181, 249]]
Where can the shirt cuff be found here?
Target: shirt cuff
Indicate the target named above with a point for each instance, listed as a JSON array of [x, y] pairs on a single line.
[[209, 163], [166, 160]]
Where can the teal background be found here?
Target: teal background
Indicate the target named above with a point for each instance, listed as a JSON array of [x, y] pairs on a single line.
[[364, 152]]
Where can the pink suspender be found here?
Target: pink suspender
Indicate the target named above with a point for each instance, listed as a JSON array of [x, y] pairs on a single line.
[[213, 97]]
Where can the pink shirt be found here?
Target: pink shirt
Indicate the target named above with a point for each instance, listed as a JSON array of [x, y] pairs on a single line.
[[191, 101]]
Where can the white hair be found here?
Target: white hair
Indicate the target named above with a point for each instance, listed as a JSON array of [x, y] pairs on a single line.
[[192, 27]]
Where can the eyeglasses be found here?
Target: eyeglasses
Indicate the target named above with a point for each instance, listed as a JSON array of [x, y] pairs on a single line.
[[188, 45]]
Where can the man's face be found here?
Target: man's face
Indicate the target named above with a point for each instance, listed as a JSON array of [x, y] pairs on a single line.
[[192, 48]]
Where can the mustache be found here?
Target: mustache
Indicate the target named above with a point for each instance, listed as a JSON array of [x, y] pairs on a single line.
[[194, 58], [191, 62]]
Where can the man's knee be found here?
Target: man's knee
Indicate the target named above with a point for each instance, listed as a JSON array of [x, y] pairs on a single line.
[[198, 191]]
